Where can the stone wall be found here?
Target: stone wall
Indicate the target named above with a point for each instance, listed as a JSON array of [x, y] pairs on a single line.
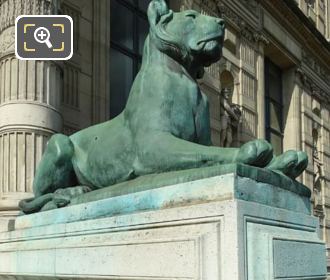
[[85, 98]]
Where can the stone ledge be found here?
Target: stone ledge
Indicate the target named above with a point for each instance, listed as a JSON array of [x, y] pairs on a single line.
[[176, 189], [155, 181]]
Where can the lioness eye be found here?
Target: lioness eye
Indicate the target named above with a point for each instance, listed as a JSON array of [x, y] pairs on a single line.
[[191, 16]]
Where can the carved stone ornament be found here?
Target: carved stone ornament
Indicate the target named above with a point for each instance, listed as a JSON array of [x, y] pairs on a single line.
[[310, 85], [252, 5], [230, 117], [7, 40], [310, 60], [11, 9]]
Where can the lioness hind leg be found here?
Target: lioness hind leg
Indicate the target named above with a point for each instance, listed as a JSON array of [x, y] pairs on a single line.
[[55, 169]]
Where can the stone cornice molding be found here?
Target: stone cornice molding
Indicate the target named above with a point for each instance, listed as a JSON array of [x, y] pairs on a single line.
[[11, 9], [247, 31], [218, 7], [243, 28], [260, 37], [250, 33], [312, 87], [252, 5], [210, 4], [224, 11], [311, 62], [296, 25]]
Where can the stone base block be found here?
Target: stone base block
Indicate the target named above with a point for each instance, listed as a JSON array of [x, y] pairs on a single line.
[[213, 235]]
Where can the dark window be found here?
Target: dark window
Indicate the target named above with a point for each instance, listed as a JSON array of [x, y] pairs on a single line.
[[129, 28], [274, 106]]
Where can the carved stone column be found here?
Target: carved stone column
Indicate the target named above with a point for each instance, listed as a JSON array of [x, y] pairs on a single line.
[[29, 102], [292, 110], [261, 91]]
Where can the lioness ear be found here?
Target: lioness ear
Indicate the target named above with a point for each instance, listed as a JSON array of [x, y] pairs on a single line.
[[157, 9]]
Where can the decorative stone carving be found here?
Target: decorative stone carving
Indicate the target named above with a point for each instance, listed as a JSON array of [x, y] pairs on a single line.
[[261, 37], [252, 5], [227, 13], [230, 117], [318, 170], [11, 9], [7, 41], [209, 5], [310, 60], [316, 155], [219, 8], [246, 31], [313, 88]]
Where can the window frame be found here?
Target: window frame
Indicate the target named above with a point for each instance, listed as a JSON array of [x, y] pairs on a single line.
[[269, 100], [134, 53]]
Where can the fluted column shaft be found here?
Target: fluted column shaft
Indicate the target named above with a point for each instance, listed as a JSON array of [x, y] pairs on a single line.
[[261, 91], [29, 107]]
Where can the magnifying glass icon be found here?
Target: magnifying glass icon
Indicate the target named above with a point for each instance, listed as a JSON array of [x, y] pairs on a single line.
[[41, 35]]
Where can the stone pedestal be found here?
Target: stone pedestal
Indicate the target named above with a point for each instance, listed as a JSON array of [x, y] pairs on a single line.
[[223, 227]]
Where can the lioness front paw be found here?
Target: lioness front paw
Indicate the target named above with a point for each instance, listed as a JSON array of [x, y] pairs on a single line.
[[291, 163], [257, 153]]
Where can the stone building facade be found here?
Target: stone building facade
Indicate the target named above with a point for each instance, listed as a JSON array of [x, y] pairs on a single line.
[[276, 61]]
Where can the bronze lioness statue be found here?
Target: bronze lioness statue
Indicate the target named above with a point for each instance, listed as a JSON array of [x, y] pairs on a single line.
[[165, 125]]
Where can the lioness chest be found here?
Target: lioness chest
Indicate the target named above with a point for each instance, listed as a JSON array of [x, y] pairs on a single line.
[[174, 104], [190, 113]]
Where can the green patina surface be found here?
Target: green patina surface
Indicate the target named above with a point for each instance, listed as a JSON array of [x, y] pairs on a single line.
[[155, 181], [215, 184], [165, 126]]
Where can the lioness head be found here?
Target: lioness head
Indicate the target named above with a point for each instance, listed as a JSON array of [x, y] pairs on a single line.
[[189, 37]]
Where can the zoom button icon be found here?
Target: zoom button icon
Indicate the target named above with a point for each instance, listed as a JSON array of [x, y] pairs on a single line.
[[44, 37], [41, 35]]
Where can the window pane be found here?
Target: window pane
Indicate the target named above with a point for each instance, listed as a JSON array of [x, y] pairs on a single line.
[[276, 141], [143, 27], [143, 5], [275, 90], [275, 117], [121, 20], [275, 83], [121, 73]]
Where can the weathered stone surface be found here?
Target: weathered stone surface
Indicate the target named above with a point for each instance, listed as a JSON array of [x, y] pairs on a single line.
[[203, 229], [174, 189], [154, 181]]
